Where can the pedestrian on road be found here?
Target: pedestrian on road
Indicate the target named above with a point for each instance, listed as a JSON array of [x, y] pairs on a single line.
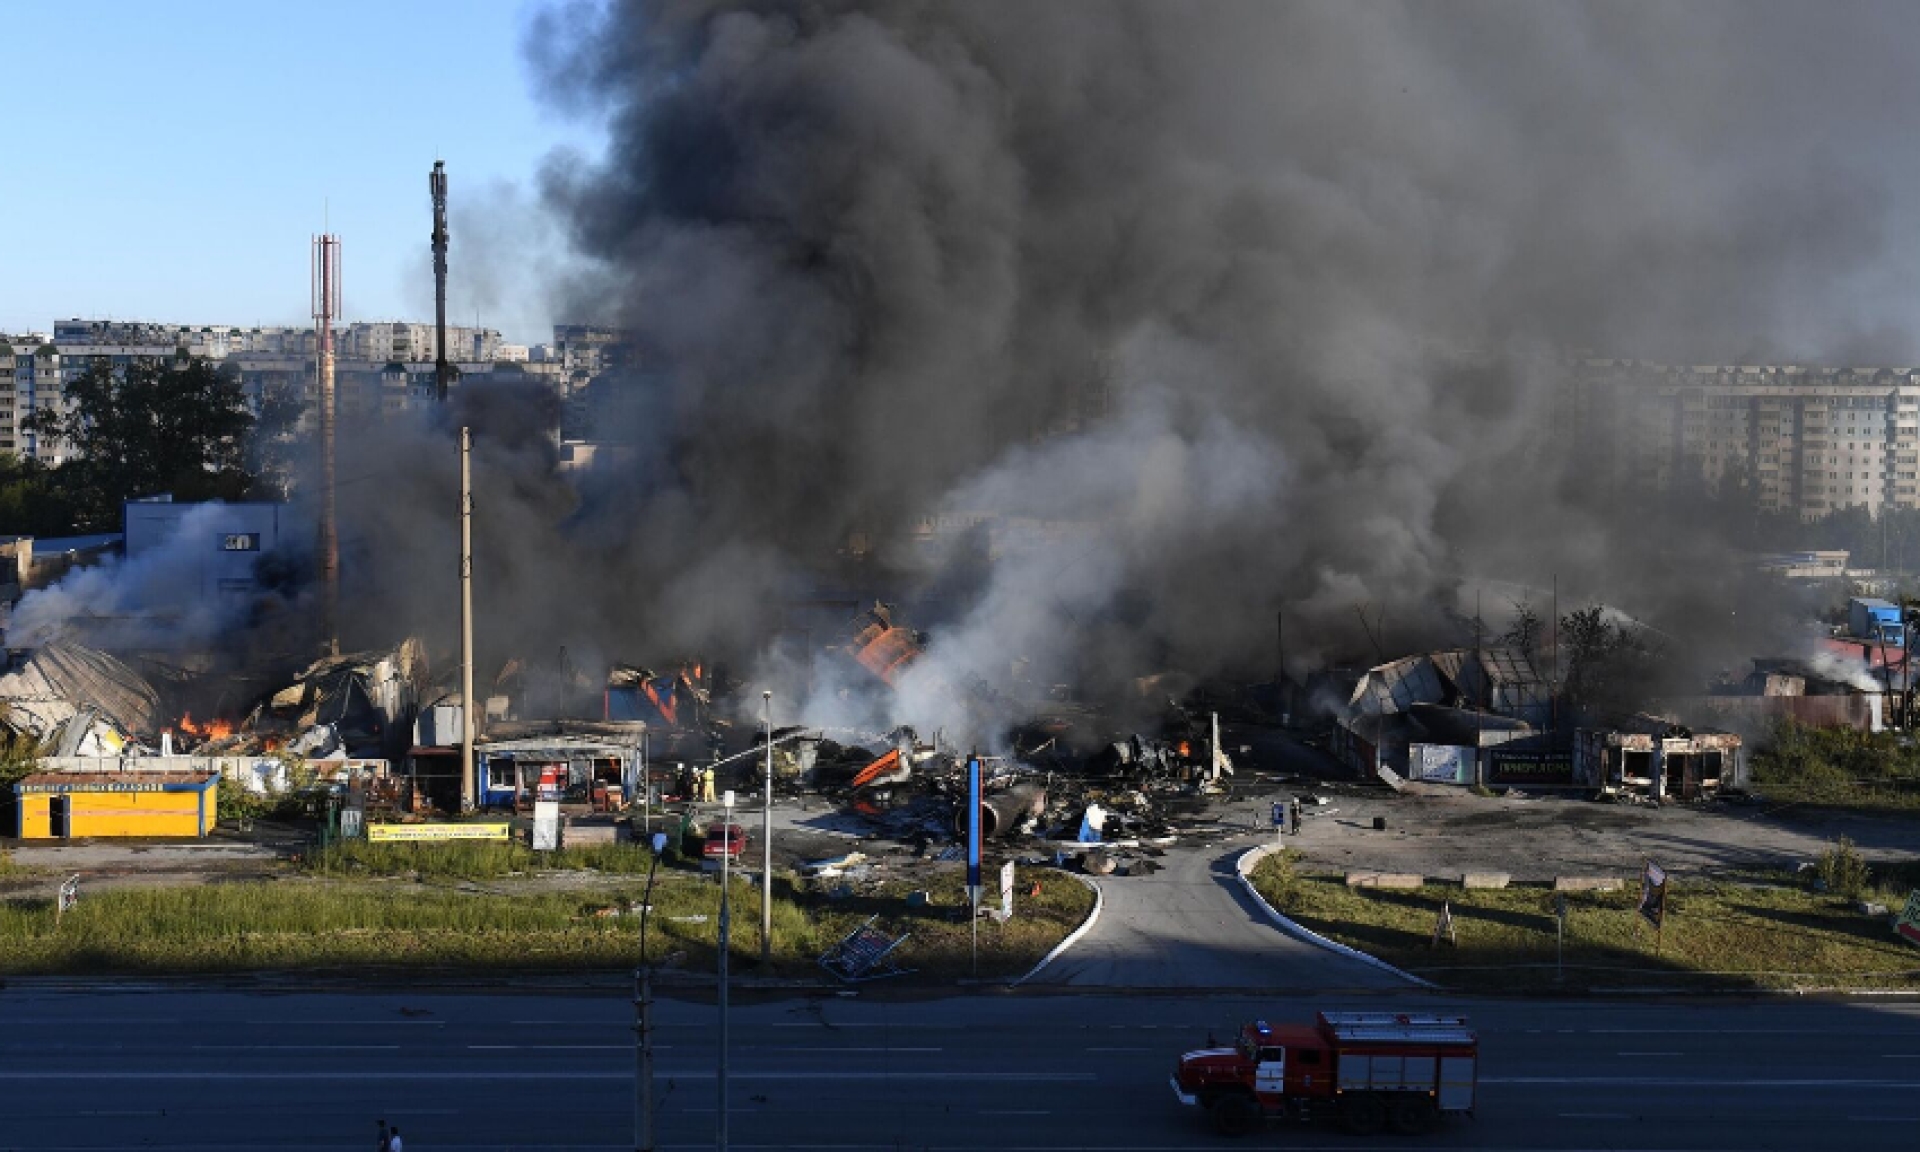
[[386, 1138], [393, 1140], [706, 786]]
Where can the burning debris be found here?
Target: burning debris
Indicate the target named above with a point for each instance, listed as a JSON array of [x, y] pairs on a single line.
[[81, 701]]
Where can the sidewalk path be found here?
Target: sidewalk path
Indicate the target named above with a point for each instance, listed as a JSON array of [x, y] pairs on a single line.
[[1191, 925]]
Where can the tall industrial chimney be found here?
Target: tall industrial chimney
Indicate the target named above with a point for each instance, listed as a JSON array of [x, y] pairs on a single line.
[[326, 305], [442, 371]]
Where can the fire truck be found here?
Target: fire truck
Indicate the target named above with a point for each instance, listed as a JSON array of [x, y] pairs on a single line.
[[1373, 1070]]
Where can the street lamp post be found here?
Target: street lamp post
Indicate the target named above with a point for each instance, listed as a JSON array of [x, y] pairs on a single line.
[[643, 1016], [766, 843], [726, 934]]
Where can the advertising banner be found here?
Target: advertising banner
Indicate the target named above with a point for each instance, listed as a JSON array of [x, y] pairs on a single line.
[[418, 833], [1440, 763], [973, 827], [1908, 925], [1653, 894], [1548, 768]]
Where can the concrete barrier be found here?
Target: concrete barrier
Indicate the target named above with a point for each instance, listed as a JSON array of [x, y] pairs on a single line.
[[1073, 937], [1586, 884], [1385, 880], [1485, 880], [1249, 860]]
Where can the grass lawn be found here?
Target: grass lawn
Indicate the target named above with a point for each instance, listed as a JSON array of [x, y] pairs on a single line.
[[1763, 931], [434, 924]]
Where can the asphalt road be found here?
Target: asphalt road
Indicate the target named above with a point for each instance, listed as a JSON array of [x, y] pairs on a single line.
[[1191, 925], [99, 1069]]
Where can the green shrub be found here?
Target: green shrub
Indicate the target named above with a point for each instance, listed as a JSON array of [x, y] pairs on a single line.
[[1842, 870]]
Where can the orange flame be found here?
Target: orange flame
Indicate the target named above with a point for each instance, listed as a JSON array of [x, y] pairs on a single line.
[[211, 730]]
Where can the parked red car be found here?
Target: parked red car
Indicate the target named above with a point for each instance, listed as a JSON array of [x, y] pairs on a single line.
[[728, 840]]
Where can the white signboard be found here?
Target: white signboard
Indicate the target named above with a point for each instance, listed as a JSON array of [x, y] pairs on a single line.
[[1006, 891], [546, 825], [1440, 763]]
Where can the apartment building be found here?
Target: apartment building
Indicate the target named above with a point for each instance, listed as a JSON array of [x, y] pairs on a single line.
[[30, 381], [1810, 440], [396, 341]]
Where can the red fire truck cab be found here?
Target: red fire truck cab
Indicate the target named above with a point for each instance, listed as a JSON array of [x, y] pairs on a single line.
[[1374, 1069]]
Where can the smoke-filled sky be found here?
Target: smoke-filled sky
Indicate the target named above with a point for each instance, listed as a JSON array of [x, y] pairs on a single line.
[[1298, 273], [1221, 309]]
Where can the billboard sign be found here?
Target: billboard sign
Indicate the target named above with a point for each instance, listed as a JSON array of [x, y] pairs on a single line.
[[1521, 767], [973, 827], [1908, 925], [1440, 763], [422, 833], [1653, 894]]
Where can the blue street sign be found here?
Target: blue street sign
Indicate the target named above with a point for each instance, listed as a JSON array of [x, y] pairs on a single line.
[[1279, 813], [973, 822]]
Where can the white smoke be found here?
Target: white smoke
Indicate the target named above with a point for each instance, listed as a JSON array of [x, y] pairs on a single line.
[[158, 599]]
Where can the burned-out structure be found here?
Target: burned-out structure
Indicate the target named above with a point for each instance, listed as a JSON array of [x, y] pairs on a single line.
[[579, 763], [1435, 716], [1835, 686], [1656, 759]]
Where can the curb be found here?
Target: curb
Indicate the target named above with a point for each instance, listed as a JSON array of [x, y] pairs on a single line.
[[1244, 867], [1073, 937]]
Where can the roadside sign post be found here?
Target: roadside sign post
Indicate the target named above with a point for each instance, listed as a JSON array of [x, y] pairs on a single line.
[[1006, 892], [1560, 937], [973, 853], [69, 896], [1907, 926], [1653, 902], [720, 1131], [643, 1012]]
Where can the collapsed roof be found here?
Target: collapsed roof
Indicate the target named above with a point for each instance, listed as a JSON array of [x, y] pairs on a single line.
[[62, 680]]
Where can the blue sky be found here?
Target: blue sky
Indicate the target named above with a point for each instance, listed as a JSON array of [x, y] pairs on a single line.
[[170, 159]]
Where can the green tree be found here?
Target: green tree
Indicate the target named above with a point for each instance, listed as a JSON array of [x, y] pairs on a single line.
[[1524, 630], [33, 501], [1607, 665], [181, 426]]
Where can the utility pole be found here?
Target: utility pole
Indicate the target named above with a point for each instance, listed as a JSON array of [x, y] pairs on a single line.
[[1479, 714], [1280, 661], [726, 937], [437, 187], [766, 844], [468, 724], [326, 305], [643, 1015]]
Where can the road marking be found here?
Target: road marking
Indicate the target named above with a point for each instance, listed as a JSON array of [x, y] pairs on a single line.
[[1675, 1082], [623, 1075], [343, 1023], [1014, 1112], [1648, 1053], [1884, 1119], [296, 1047], [1595, 1116], [1120, 1049], [773, 1049], [915, 1025], [556, 1047], [1899, 1056]]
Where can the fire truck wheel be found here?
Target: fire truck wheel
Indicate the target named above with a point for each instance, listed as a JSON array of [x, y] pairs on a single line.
[[1410, 1115], [1236, 1115], [1364, 1113]]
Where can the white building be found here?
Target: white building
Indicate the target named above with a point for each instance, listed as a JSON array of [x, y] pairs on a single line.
[[30, 381], [1810, 440]]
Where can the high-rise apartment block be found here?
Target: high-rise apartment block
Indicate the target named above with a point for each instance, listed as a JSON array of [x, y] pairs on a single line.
[[381, 366], [30, 375], [1809, 440]]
